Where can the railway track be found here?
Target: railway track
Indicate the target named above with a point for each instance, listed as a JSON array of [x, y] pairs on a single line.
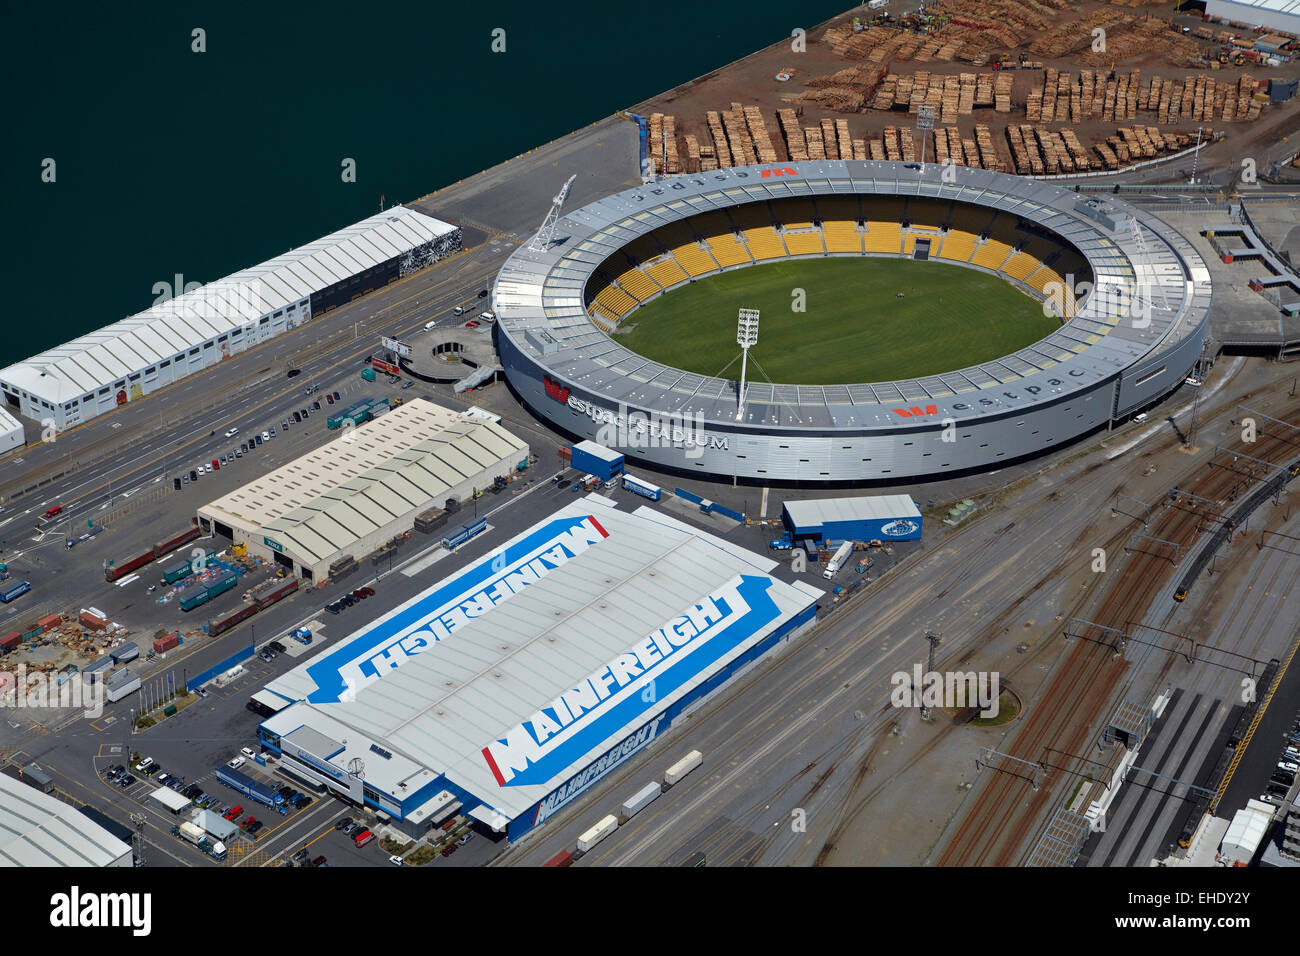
[[996, 826]]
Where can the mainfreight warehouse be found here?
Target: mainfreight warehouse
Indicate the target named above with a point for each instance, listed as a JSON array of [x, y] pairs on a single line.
[[509, 688]]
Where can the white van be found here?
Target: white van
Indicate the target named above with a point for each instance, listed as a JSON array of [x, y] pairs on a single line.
[[1140, 418], [429, 325]]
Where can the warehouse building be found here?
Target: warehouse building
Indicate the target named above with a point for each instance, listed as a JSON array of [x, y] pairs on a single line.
[[1275, 14], [509, 688], [11, 433], [882, 518], [40, 830], [334, 506], [198, 328]]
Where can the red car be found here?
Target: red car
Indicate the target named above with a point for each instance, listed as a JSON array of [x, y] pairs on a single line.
[[368, 591], [360, 594], [471, 325], [329, 398], [57, 509], [216, 465], [233, 812], [248, 822]]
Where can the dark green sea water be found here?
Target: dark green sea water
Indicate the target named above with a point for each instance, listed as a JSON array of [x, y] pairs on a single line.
[[173, 162]]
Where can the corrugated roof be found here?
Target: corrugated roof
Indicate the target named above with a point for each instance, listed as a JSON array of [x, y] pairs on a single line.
[[365, 479], [819, 511], [40, 830], [604, 580], [163, 331]]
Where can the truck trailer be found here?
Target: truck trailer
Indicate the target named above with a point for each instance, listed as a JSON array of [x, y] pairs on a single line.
[[597, 833], [682, 767], [837, 560], [643, 488], [462, 534]]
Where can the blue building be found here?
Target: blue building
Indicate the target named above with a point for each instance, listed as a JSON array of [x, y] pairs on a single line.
[[832, 520]]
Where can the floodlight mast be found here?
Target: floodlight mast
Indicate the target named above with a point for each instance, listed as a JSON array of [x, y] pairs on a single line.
[[542, 240], [746, 338]]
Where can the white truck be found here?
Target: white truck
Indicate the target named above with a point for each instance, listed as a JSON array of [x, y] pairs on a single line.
[[837, 560], [597, 833]]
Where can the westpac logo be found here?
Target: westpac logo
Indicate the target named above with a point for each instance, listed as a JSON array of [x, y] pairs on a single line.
[[618, 695], [428, 622], [777, 171], [555, 390], [916, 411]]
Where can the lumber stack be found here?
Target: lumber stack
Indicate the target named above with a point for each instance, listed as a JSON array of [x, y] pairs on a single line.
[[795, 144]]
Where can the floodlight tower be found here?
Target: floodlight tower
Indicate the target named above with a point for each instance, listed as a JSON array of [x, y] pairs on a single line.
[[546, 233], [746, 338], [925, 123]]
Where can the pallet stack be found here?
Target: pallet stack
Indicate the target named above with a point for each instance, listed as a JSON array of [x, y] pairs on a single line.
[[722, 150], [843, 140], [1077, 152], [758, 132], [672, 164], [816, 148], [795, 143], [989, 157], [1002, 93], [742, 147], [829, 139]]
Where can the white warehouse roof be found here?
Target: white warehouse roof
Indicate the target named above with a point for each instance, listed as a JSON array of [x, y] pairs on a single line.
[[112, 353], [335, 495], [40, 830], [464, 669], [819, 511]]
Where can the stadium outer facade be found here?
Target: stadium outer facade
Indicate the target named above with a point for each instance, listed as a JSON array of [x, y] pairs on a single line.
[[1131, 342]]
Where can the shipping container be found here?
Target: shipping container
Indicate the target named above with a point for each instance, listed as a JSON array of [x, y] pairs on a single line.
[[597, 833], [563, 858], [11, 592], [642, 488], [164, 548], [126, 652], [115, 571], [204, 591], [682, 767], [90, 619], [50, 622], [177, 571], [123, 688], [463, 533], [10, 641], [166, 643], [638, 802]]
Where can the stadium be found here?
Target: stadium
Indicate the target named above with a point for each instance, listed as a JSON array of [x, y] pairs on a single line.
[[1125, 297]]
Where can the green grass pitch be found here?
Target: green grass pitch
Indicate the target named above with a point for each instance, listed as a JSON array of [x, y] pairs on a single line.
[[854, 329]]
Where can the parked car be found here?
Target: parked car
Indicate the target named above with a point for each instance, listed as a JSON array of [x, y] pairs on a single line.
[[319, 861], [276, 646], [407, 384], [395, 860], [368, 591], [144, 764], [297, 417], [125, 780], [315, 406], [265, 436], [236, 763], [330, 399], [336, 396], [362, 838], [233, 812], [333, 607], [254, 827], [343, 824], [359, 594]]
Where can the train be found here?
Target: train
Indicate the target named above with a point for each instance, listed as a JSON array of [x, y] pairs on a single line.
[[160, 549]]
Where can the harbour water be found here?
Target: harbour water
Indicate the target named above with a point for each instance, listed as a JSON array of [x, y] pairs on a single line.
[[173, 166]]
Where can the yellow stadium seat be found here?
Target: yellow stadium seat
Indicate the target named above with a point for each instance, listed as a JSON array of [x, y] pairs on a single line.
[[957, 246], [1020, 266], [636, 284], [694, 259], [991, 255], [806, 243], [884, 237], [842, 235], [616, 300], [667, 272], [764, 243]]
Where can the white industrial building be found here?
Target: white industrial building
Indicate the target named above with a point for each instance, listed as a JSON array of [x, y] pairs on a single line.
[[352, 495], [40, 830], [1275, 14], [513, 685], [124, 361], [11, 432]]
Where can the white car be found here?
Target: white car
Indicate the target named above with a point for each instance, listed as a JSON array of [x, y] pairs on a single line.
[[232, 433], [1192, 381], [266, 436], [247, 752], [236, 763], [144, 764], [395, 860]]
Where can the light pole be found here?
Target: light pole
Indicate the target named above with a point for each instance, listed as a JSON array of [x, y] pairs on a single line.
[[925, 123], [746, 338]]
